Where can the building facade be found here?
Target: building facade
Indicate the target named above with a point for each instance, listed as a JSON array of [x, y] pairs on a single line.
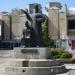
[[5, 29], [13, 23], [61, 25], [11, 26]]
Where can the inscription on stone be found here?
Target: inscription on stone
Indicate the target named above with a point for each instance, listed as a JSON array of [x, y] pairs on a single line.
[[29, 51]]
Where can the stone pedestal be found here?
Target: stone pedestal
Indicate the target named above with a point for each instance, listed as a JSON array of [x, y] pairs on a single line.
[[31, 53], [31, 70], [28, 61]]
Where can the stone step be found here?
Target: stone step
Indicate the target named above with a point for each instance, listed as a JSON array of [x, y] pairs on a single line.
[[30, 62], [32, 70]]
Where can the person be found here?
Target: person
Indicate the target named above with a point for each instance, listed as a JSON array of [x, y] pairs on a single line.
[[26, 35], [29, 39]]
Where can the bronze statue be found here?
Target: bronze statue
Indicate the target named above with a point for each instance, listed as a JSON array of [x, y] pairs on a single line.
[[28, 39], [32, 36], [26, 35]]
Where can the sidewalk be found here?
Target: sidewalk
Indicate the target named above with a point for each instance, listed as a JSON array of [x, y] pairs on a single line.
[[64, 74], [70, 66]]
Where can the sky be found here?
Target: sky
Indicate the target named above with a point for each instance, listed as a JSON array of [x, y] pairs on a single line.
[[7, 5]]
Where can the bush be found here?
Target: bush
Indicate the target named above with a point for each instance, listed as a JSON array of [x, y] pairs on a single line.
[[66, 55], [60, 53]]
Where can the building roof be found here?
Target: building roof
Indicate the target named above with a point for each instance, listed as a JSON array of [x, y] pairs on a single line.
[[71, 11]]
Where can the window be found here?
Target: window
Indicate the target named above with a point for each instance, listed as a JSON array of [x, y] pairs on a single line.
[[71, 24]]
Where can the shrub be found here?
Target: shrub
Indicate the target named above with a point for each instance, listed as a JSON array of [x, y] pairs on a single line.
[[66, 54], [60, 53]]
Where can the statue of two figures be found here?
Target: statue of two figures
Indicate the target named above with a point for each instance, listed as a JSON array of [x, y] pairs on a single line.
[[32, 35]]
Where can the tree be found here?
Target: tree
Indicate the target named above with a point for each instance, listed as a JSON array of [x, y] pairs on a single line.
[[48, 41]]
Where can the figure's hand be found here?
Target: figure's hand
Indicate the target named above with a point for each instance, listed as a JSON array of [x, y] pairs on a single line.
[[27, 15]]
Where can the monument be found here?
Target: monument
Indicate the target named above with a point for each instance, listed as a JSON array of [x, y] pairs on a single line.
[[32, 59], [36, 27]]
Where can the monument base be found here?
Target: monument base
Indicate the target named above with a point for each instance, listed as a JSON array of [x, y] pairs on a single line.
[[32, 67], [29, 61], [31, 53]]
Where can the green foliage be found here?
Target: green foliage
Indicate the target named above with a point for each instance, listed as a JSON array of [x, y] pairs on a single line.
[[66, 55], [48, 41], [60, 53]]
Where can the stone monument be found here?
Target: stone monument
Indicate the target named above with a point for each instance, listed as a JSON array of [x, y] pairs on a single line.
[[32, 59]]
